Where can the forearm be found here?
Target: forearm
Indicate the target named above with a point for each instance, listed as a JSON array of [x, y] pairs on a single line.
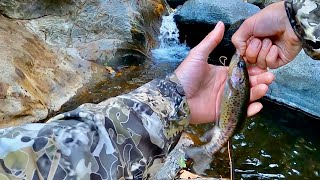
[[166, 99], [305, 21], [97, 139]]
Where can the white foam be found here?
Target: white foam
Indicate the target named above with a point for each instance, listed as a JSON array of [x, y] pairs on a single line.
[[170, 49]]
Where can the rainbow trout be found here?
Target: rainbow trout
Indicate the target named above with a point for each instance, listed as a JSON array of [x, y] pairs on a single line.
[[234, 106], [233, 111]]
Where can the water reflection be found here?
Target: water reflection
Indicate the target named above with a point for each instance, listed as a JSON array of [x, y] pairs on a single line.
[[282, 144], [278, 143]]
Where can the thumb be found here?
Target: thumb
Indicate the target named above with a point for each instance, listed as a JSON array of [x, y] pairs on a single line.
[[211, 40], [242, 35]]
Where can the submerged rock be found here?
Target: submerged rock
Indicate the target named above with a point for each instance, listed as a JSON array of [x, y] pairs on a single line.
[[297, 84], [54, 53], [196, 18]]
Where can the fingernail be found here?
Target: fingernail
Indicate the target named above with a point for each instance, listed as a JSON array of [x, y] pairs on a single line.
[[259, 106], [265, 43], [255, 43], [219, 24]]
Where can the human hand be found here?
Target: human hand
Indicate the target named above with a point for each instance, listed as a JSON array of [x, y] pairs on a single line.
[[203, 83], [267, 38]]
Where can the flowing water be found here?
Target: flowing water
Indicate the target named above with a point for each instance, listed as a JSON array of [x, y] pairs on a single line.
[[170, 49], [278, 143]]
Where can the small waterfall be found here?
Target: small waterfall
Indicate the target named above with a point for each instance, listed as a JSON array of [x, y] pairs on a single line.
[[170, 49]]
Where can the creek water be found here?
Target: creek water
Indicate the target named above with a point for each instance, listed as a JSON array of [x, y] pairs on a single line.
[[277, 143]]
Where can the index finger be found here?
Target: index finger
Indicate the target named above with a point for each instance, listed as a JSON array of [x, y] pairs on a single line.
[[240, 37], [255, 70]]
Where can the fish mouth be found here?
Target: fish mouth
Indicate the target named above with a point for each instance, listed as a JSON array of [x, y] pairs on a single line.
[[235, 62]]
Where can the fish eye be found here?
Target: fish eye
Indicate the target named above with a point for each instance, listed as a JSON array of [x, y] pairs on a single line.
[[241, 64]]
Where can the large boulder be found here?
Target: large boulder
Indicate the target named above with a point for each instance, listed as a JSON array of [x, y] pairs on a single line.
[[34, 80], [196, 18], [30, 9], [297, 84], [49, 57], [212, 11], [106, 32]]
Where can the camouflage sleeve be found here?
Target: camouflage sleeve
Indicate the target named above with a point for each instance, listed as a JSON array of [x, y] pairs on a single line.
[[114, 139], [304, 17]]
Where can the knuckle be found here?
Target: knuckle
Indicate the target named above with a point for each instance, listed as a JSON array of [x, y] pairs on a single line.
[[246, 24]]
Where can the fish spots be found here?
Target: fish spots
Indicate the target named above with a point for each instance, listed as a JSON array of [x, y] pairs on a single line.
[[234, 103]]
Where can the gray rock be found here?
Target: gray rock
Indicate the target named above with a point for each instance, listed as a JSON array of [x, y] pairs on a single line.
[[30, 9], [212, 11], [99, 31], [297, 84]]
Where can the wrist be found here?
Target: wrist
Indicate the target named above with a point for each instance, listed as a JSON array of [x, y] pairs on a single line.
[[290, 21]]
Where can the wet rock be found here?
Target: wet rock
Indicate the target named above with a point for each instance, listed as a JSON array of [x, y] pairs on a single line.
[[52, 57], [297, 84], [197, 18], [175, 3]]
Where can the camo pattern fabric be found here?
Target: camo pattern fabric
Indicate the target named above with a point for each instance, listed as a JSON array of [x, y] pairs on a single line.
[[114, 139], [304, 16]]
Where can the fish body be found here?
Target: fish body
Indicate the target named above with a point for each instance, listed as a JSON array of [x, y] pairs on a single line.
[[233, 111]]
